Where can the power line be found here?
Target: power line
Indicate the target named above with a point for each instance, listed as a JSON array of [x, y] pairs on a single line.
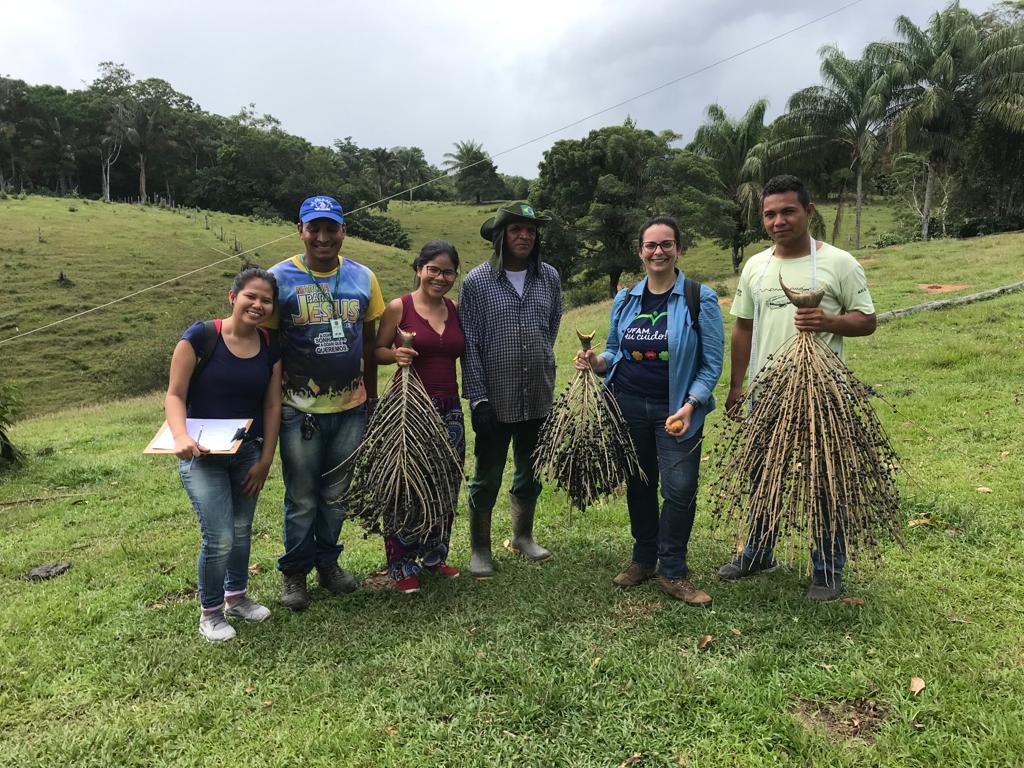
[[459, 169]]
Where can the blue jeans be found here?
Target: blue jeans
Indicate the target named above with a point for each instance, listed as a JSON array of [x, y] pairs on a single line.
[[660, 539], [826, 557], [214, 486], [312, 524]]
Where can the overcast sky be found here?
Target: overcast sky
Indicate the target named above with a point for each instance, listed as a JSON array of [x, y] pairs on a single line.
[[402, 72]]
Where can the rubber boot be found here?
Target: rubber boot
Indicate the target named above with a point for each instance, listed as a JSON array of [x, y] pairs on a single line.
[[480, 564], [522, 542]]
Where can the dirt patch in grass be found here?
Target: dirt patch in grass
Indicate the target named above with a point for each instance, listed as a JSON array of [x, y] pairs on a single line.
[[844, 718], [943, 287], [378, 580]]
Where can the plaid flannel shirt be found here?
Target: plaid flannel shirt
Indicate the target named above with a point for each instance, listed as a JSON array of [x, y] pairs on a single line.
[[509, 358]]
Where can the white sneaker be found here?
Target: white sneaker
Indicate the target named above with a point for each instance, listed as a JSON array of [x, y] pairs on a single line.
[[247, 609], [215, 628]]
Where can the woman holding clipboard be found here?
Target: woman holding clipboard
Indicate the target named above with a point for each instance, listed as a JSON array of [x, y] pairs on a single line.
[[238, 377]]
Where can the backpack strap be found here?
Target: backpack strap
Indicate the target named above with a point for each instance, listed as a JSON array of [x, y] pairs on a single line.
[[211, 335], [691, 290]]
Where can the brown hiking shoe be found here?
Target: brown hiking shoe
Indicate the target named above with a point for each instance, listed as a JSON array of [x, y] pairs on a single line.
[[683, 589], [633, 575]]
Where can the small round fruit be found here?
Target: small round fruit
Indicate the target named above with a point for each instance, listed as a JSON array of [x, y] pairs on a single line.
[[675, 427]]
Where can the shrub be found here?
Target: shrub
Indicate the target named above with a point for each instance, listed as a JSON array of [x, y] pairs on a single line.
[[9, 402], [378, 229], [976, 226], [887, 239]]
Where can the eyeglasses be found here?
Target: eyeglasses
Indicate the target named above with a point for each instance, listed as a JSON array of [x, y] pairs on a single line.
[[447, 274], [665, 245]]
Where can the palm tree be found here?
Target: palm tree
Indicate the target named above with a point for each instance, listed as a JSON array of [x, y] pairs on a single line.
[[941, 78], [412, 167], [381, 169], [477, 174], [846, 111], [738, 150]]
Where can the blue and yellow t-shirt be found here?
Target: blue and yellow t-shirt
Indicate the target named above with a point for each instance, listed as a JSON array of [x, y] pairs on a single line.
[[323, 373]]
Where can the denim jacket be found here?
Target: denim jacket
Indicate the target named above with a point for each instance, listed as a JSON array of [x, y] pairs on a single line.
[[688, 375]]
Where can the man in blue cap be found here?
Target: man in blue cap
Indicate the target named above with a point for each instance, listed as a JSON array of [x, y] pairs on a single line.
[[326, 309]]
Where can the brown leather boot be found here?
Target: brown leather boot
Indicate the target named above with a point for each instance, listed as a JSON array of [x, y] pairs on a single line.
[[633, 575], [684, 589]]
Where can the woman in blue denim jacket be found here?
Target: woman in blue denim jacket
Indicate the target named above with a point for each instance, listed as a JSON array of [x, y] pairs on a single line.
[[662, 366], [240, 379]]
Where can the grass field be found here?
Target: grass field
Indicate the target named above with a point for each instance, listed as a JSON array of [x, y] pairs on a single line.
[[543, 665]]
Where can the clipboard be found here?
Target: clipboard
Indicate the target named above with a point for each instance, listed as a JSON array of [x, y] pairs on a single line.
[[221, 436]]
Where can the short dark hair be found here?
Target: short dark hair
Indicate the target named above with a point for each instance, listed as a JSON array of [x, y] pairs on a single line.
[[668, 221], [779, 185], [252, 272], [432, 250]]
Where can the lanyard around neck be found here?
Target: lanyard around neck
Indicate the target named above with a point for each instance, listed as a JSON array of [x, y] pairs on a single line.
[[757, 300], [335, 287]]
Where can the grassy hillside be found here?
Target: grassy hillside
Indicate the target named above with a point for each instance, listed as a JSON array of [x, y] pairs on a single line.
[[543, 665], [109, 250]]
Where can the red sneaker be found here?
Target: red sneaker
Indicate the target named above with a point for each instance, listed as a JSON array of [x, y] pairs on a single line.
[[408, 585], [448, 571]]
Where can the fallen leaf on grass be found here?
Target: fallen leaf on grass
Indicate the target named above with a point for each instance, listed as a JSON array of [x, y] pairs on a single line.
[[704, 642], [958, 620], [595, 662], [983, 489], [858, 601], [265, 536], [267, 703], [1004, 454], [919, 521], [390, 730], [917, 726], [249, 688], [916, 685], [255, 568], [636, 758], [954, 531], [735, 632], [826, 667], [681, 761]]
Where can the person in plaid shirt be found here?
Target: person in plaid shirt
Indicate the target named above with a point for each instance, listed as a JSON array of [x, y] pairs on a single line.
[[510, 309]]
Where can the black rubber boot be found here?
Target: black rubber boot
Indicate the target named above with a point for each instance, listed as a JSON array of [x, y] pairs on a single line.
[[480, 564], [522, 542]]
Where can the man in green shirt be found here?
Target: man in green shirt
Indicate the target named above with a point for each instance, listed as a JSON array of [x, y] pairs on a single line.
[[766, 320]]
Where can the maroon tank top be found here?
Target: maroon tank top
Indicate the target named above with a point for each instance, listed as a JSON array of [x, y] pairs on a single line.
[[435, 363]]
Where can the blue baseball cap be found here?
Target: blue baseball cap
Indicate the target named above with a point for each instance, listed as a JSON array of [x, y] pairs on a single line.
[[321, 207]]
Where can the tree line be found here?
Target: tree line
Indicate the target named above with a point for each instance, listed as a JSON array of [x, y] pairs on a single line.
[[935, 117], [122, 138]]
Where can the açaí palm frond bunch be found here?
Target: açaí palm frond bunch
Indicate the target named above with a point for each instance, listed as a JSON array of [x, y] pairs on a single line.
[[405, 473], [584, 446], [811, 460]]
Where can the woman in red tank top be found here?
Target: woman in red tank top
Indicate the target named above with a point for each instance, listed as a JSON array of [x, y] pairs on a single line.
[[439, 342]]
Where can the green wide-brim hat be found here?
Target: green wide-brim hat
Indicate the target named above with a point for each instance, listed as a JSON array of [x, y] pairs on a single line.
[[519, 211]]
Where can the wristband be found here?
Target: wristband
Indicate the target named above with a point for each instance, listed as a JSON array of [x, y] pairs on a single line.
[[693, 402]]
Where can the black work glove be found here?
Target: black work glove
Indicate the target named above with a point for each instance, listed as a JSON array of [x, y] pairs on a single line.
[[485, 421]]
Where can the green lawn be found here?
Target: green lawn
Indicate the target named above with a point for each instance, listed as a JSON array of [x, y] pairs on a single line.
[[545, 664]]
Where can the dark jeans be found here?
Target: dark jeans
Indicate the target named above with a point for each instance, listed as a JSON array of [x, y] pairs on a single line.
[[312, 524], [491, 452], [660, 539], [827, 557]]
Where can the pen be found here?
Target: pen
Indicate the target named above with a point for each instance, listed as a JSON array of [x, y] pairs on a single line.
[[198, 438]]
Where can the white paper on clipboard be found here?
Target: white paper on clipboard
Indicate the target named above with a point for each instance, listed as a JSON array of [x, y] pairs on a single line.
[[217, 435]]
